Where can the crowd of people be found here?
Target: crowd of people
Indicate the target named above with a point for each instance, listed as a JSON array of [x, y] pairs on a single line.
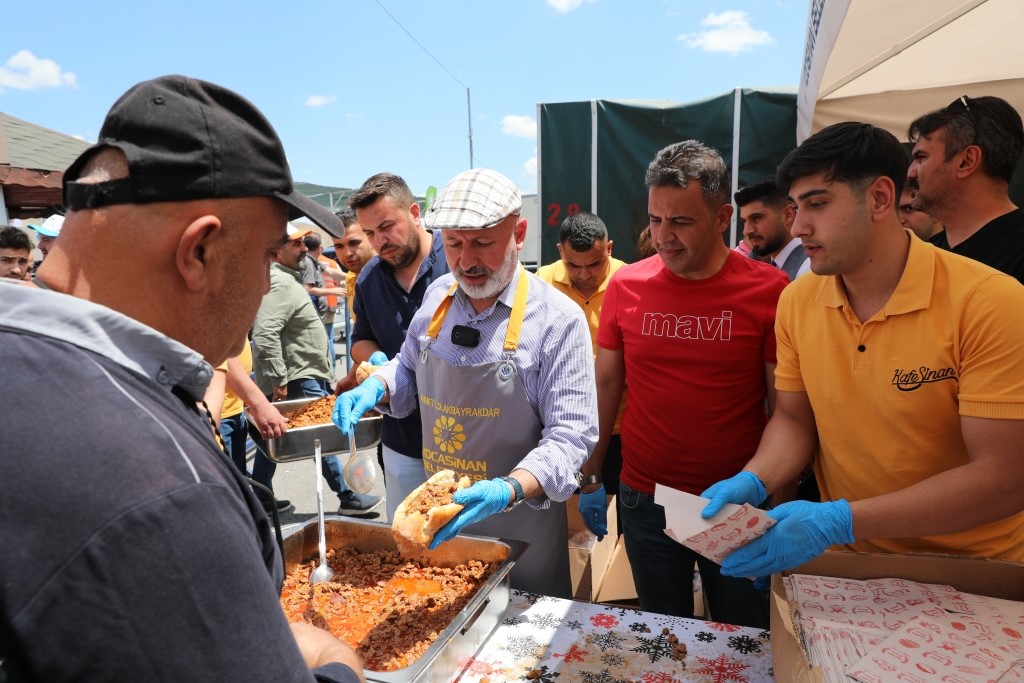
[[851, 367]]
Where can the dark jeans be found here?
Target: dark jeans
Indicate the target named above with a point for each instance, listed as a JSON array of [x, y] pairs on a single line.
[[234, 432], [663, 569], [263, 468], [612, 466]]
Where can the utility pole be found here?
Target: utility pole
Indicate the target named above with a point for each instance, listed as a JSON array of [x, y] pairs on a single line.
[[469, 115]]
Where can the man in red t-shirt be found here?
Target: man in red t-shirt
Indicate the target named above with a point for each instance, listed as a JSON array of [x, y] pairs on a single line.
[[691, 331]]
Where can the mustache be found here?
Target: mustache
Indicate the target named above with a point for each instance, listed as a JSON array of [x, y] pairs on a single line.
[[475, 270], [911, 184]]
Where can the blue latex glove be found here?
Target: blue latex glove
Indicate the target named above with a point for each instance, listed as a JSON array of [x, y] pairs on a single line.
[[803, 530], [480, 501], [355, 403], [745, 487], [378, 358], [593, 509]]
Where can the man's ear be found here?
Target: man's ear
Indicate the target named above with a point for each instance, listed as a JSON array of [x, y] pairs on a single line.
[[610, 247], [194, 251], [519, 232], [970, 161], [788, 215], [881, 197], [723, 216]]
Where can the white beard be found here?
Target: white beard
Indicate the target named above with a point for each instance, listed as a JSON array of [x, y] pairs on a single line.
[[497, 281]]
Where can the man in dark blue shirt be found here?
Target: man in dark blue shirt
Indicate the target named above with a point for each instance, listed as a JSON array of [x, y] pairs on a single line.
[[391, 288], [133, 549]]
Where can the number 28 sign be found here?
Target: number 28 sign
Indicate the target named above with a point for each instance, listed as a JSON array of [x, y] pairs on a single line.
[[555, 217]]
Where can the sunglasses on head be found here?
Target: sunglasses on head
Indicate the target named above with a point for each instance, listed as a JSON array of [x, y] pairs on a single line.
[[963, 104]]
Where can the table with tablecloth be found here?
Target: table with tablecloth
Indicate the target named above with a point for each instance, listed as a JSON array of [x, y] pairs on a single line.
[[552, 640]]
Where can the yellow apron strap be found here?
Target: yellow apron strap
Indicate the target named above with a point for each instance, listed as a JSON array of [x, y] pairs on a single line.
[[438, 318], [515, 323]]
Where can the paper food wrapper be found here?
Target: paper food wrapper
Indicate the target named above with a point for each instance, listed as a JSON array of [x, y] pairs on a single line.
[[715, 538]]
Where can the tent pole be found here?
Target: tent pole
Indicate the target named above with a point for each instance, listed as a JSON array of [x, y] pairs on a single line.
[[593, 157], [736, 109]]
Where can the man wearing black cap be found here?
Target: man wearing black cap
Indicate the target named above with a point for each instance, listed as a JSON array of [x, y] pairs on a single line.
[[501, 366], [134, 550]]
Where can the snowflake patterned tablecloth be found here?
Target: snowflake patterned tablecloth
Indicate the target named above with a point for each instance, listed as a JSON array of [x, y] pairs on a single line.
[[563, 641]]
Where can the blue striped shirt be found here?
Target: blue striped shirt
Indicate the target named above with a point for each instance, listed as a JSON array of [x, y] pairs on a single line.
[[554, 361]]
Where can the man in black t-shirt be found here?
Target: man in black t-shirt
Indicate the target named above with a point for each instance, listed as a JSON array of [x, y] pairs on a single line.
[[964, 156]]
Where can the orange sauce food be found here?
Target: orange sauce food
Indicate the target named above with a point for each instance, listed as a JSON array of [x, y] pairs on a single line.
[[388, 609]]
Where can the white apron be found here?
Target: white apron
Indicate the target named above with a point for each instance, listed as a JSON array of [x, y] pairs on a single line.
[[477, 421]]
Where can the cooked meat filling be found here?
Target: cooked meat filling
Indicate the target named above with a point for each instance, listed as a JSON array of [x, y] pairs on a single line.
[[316, 413], [389, 610], [434, 495]]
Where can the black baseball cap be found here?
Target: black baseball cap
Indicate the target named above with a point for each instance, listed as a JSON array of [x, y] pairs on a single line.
[[187, 139]]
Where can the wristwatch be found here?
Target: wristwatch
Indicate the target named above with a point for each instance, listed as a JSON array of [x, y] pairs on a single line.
[[518, 489], [586, 479]]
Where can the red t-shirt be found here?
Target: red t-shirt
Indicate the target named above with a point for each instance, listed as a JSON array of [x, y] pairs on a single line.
[[694, 352]]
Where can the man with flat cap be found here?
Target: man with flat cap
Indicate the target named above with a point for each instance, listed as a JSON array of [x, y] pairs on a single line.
[[133, 549], [501, 367]]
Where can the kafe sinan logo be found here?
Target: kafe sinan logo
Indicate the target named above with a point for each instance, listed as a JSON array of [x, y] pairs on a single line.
[[911, 380]]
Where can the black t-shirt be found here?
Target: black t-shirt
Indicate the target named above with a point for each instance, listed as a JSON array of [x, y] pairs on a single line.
[[999, 244]]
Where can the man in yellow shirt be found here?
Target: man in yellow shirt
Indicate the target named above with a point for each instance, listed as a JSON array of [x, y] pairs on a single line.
[[353, 250], [582, 273], [899, 374]]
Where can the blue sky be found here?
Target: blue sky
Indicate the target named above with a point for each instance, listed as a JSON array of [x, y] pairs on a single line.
[[352, 94]]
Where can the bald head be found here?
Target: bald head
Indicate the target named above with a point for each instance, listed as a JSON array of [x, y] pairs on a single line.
[[194, 270]]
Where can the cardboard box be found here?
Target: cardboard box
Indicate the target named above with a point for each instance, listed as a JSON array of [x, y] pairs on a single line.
[[588, 558], [994, 578], [618, 580]]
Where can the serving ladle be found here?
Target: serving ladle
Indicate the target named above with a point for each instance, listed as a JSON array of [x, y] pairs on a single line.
[[360, 472], [323, 572]]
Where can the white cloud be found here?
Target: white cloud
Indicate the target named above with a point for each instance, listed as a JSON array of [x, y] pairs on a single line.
[[320, 100], [531, 166], [25, 71], [520, 126], [566, 6], [729, 31]]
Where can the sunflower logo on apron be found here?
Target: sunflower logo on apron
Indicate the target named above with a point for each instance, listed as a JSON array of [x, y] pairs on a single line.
[[448, 434]]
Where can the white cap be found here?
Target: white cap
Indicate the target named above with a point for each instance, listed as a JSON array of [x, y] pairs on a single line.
[[50, 227], [474, 199]]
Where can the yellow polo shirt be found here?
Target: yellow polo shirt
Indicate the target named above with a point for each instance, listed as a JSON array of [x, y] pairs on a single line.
[[888, 394], [232, 403], [350, 293], [556, 274]]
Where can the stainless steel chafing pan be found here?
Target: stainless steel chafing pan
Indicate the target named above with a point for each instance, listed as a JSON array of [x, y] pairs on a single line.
[[467, 631], [297, 443]]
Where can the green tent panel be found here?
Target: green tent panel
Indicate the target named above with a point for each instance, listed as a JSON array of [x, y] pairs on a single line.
[[565, 162], [595, 154]]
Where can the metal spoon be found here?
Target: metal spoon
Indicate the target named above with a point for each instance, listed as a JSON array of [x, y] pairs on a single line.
[[323, 572], [360, 472]]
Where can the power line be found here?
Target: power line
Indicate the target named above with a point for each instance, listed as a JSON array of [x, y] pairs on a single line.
[[408, 33], [469, 108]]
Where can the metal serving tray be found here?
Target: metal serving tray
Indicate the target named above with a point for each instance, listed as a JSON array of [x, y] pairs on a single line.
[[467, 631], [297, 444]]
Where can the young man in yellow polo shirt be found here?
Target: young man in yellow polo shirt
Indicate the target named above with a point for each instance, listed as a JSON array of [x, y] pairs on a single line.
[[899, 373], [354, 251], [582, 273]]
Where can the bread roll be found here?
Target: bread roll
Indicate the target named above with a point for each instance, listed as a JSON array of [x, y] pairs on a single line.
[[364, 370], [428, 508]]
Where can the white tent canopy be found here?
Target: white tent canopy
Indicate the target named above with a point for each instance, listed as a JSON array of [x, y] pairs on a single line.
[[886, 62]]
